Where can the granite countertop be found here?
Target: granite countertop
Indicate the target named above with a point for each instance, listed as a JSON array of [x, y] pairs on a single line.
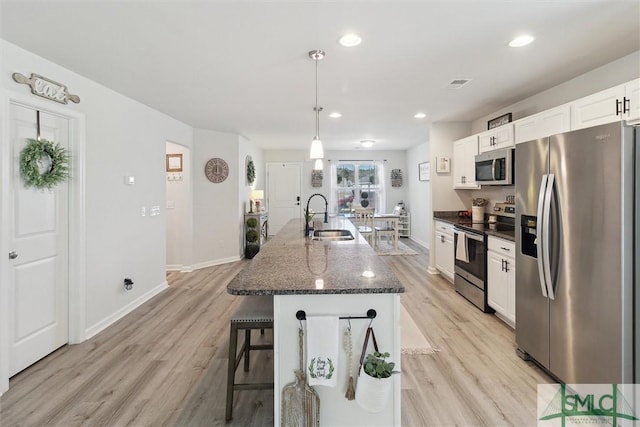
[[506, 232], [292, 264]]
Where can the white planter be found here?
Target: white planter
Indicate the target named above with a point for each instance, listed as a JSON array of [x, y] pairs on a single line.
[[373, 394], [477, 214]]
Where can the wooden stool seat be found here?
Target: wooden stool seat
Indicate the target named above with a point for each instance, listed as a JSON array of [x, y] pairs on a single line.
[[255, 312]]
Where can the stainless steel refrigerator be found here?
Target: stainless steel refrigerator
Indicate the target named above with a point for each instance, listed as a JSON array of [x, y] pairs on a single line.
[[575, 261]]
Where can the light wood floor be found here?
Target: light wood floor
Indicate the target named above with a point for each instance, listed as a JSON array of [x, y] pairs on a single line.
[[165, 364]]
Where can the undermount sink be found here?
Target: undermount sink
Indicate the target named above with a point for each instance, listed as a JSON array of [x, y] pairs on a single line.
[[332, 235]]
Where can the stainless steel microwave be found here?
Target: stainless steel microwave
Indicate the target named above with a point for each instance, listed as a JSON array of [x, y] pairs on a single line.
[[495, 167]]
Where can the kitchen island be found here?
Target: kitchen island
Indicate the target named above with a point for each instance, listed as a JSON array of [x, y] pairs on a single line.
[[324, 277]]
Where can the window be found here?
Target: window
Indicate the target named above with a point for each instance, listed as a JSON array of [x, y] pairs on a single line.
[[357, 184]]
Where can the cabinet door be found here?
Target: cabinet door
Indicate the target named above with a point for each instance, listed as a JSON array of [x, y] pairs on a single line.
[[597, 109], [510, 266], [497, 285], [485, 141], [550, 122], [503, 137], [500, 137], [527, 129], [632, 93], [464, 168]]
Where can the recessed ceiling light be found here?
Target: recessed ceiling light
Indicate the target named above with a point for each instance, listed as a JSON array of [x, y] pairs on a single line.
[[335, 115], [367, 143], [350, 40], [522, 40], [420, 115]]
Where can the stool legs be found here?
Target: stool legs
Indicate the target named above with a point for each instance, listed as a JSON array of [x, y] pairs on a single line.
[[236, 357], [231, 371]]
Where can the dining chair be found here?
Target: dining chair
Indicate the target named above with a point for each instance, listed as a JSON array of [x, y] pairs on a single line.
[[364, 221], [388, 229]]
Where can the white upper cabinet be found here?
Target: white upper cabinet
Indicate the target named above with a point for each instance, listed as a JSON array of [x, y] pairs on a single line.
[[464, 167], [632, 93], [493, 139], [618, 103], [549, 122]]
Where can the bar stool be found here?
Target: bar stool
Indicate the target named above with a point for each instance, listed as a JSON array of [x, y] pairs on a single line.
[[255, 312]]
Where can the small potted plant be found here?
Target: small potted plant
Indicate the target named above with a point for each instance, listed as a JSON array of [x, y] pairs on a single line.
[[375, 382]]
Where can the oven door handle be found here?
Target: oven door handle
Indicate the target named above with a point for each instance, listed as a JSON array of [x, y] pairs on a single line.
[[469, 235], [493, 169]]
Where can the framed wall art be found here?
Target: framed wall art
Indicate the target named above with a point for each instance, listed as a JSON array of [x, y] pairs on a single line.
[[174, 162], [424, 171], [443, 165]]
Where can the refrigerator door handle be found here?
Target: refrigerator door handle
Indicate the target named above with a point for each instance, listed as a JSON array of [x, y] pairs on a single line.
[[540, 235], [545, 231]]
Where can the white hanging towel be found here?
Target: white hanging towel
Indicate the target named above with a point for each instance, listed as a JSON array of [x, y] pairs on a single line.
[[461, 247], [322, 350]]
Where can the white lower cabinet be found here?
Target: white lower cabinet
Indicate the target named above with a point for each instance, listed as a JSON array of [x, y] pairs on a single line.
[[444, 249], [501, 278]]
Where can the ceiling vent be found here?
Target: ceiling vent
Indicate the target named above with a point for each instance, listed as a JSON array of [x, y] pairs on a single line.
[[458, 83]]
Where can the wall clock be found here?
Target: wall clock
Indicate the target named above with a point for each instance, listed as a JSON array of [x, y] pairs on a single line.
[[216, 170]]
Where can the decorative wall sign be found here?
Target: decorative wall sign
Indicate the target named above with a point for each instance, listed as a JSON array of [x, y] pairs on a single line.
[[46, 88], [174, 162], [316, 178], [396, 177], [443, 165], [216, 170], [499, 121], [424, 171]]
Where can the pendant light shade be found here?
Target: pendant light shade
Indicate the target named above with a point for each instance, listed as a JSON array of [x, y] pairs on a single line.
[[318, 165], [316, 151]]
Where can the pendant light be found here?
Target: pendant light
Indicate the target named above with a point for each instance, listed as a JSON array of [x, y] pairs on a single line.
[[318, 165], [317, 151]]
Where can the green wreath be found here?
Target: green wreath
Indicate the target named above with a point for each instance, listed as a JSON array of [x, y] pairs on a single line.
[[30, 162], [251, 172]]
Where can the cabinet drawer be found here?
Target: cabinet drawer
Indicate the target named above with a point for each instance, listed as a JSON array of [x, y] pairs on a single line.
[[444, 228], [503, 247]]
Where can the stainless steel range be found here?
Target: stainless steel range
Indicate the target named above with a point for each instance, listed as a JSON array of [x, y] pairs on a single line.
[[470, 243]]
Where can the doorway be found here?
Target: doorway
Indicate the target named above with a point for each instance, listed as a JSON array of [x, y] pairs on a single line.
[[46, 232], [179, 207], [284, 190]]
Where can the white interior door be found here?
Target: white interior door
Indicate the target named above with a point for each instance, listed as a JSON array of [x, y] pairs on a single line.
[[284, 191], [39, 274]]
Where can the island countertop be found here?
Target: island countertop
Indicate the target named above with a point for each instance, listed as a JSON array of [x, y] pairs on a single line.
[[292, 264]]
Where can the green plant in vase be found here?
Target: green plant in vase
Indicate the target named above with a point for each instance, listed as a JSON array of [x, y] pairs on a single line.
[[376, 366]]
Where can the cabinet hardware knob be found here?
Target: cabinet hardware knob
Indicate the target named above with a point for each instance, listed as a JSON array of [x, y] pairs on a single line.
[[505, 249], [13, 255]]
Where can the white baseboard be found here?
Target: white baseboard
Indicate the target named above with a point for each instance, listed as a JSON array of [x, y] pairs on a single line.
[[432, 270], [420, 242], [174, 267], [110, 320], [198, 266]]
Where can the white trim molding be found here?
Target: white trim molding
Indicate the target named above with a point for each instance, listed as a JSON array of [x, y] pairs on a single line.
[[113, 318]]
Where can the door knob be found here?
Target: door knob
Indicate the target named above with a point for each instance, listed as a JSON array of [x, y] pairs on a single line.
[[13, 255]]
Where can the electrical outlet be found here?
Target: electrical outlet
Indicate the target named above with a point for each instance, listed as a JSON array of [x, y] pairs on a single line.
[[154, 211], [143, 211]]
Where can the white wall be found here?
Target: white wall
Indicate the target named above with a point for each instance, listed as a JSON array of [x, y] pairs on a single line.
[[179, 211], [123, 137], [418, 193], [215, 205]]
